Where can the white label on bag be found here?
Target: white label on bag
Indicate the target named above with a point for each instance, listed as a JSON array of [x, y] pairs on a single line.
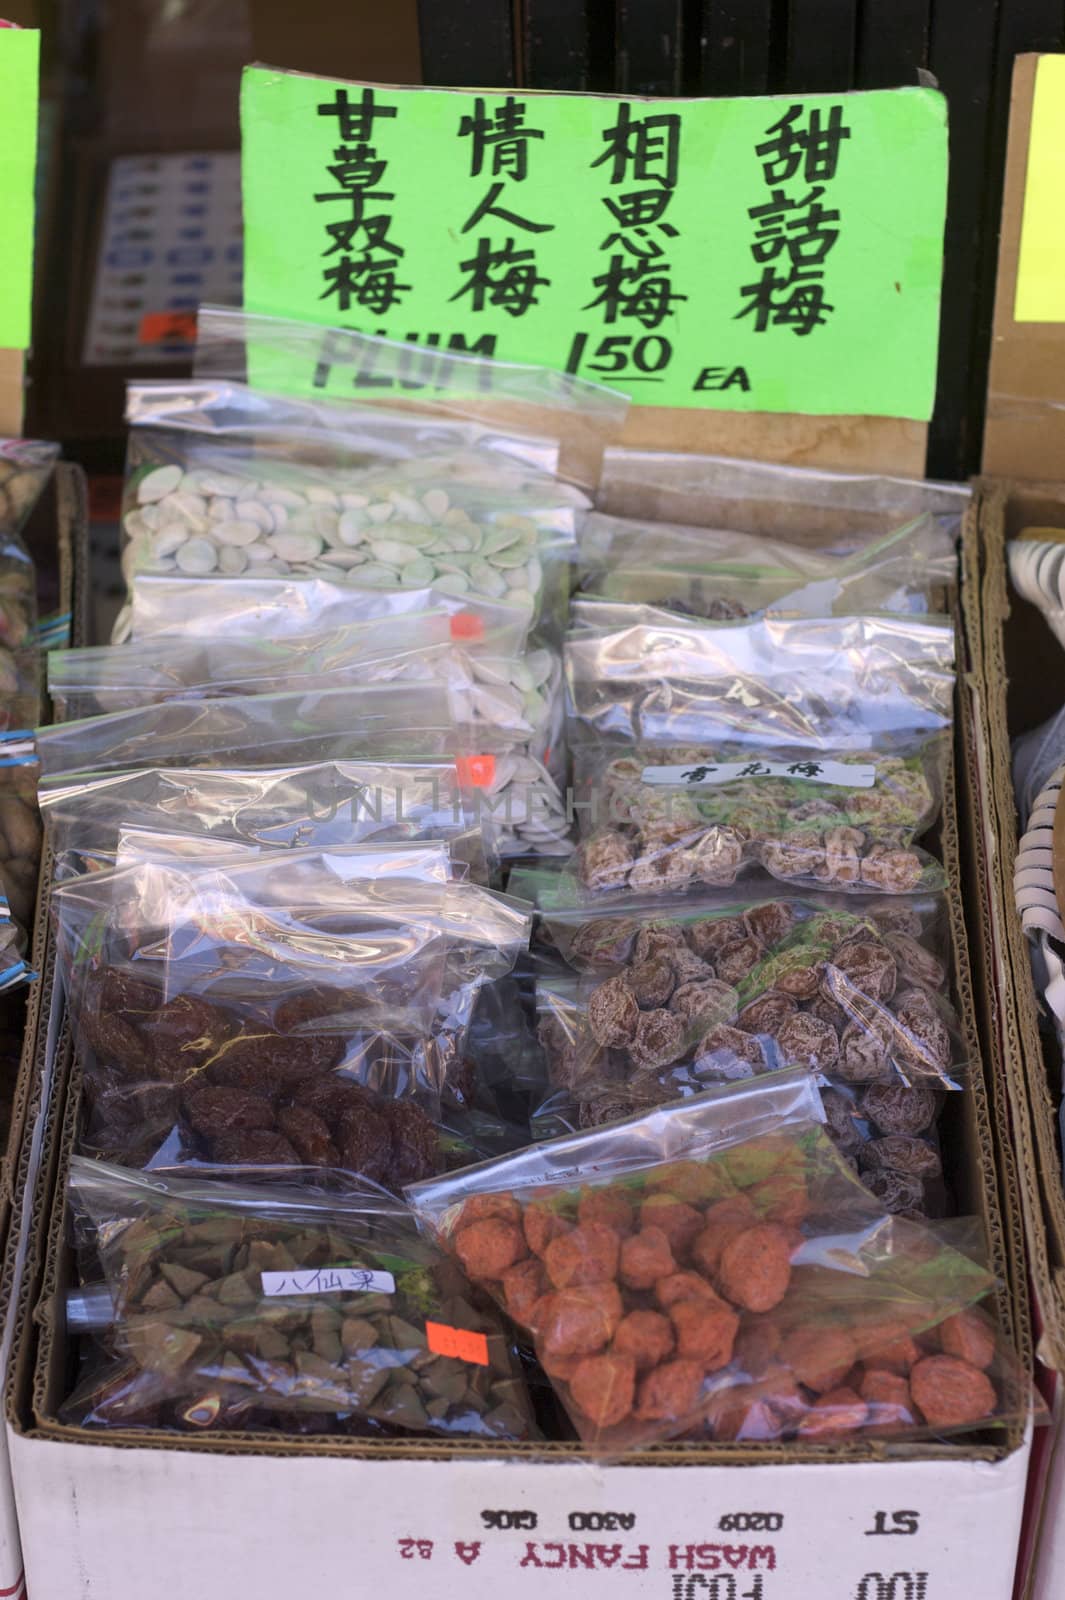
[[807, 770], [328, 1280]]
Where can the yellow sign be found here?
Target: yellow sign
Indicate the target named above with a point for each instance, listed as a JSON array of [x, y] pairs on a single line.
[[1041, 267]]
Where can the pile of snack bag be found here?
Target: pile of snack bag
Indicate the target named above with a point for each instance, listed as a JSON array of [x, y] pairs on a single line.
[[505, 941]]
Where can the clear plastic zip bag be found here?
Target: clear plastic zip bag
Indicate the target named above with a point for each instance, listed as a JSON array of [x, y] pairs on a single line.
[[842, 682], [722, 575], [487, 687], [644, 1258], [327, 805], [289, 607], [224, 481], [428, 861], [811, 506], [263, 730], [538, 415], [279, 1308], [276, 1010], [664, 818], [665, 1000], [25, 467]]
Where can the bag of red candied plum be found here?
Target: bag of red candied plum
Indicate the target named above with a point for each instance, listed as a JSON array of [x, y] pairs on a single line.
[[807, 1376], [642, 1257]]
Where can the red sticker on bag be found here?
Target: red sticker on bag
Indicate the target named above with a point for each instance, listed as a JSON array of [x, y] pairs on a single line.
[[476, 772], [467, 625], [457, 1342], [167, 327]]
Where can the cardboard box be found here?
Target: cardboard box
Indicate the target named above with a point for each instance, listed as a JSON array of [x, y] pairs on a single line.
[[1017, 665], [56, 536], [122, 1514]]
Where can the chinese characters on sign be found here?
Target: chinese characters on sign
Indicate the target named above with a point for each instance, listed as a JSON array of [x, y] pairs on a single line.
[[688, 252], [795, 231], [501, 272], [362, 259]]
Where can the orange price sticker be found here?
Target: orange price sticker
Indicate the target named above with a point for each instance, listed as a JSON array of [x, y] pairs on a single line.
[[476, 772], [167, 327], [457, 1342], [467, 625]]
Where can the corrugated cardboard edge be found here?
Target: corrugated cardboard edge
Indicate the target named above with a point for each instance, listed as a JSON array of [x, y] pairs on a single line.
[[1034, 1117], [985, 1011]]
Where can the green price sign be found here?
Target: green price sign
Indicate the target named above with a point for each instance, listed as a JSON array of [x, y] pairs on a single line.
[[19, 69], [776, 254]]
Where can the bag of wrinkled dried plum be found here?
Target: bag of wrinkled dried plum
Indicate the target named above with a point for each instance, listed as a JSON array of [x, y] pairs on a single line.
[[664, 999]]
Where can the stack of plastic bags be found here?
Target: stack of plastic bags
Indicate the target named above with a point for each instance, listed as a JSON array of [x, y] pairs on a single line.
[[358, 801]]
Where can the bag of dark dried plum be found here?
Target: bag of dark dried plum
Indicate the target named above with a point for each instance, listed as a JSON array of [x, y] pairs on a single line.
[[715, 1255], [276, 1010], [663, 1001], [236, 1308]]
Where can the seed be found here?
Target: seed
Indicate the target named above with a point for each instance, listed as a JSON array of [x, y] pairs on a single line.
[[236, 532], [375, 576], [417, 574], [393, 552], [168, 539], [197, 556], [255, 511], [221, 483], [156, 484], [274, 494], [295, 546], [352, 527], [436, 503], [232, 559]]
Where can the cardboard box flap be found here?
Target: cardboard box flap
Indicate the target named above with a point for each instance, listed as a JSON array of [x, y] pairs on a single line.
[[1024, 434]]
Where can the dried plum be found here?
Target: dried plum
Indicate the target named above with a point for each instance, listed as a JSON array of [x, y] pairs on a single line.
[[254, 1147], [212, 1110], [309, 1136]]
